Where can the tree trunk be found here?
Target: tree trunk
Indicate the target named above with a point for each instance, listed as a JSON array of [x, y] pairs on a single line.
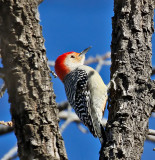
[[132, 102], [27, 76]]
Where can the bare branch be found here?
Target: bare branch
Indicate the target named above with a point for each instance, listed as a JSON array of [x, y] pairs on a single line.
[[151, 132], [65, 124], [101, 63], [9, 123], [64, 115], [74, 118], [5, 129], [82, 129], [150, 138], [153, 114], [51, 63], [10, 154], [14, 156], [63, 105], [98, 58], [68, 120], [2, 90], [54, 74], [90, 59]]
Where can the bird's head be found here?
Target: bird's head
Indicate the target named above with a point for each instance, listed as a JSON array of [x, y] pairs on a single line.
[[69, 61]]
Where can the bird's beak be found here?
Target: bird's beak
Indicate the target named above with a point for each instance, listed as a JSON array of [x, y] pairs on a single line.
[[84, 51]]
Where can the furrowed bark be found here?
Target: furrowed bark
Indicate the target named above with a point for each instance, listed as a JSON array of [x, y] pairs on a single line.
[[27, 77], [132, 103]]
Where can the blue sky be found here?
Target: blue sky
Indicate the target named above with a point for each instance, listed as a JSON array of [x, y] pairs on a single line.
[[73, 26]]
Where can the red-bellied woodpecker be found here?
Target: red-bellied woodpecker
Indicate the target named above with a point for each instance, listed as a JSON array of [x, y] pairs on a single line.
[[85, 89]]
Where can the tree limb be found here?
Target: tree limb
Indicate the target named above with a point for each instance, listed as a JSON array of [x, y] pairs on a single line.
[[62, 106], [9, 123], [64, 115], [97, 59], [5, 129], [151, 132], [2, 90], [10, 154], [90, 60]]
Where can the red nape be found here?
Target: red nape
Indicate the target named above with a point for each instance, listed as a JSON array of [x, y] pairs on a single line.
[[60, 68]]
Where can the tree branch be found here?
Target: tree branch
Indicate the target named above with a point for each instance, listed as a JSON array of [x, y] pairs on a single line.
[[150, 138], [9, 123], [64, 115], [97, 59], [62, 106], [2, 90], [5, 129], [151, 132], [91, 60], [10, 154]]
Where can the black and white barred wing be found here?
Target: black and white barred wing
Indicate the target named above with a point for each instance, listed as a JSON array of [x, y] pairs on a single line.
[[78, 96]]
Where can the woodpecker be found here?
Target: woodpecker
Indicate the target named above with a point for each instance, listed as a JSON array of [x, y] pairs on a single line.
[[85, 89]]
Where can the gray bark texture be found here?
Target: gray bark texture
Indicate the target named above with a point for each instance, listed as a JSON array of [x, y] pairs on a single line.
[[27, 77], [132, 103]]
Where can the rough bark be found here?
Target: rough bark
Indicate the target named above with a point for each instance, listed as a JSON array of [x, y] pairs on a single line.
[[27, 77], [131, 104]]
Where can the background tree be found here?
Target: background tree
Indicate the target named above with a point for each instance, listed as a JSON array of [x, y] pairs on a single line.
[[78, 44]]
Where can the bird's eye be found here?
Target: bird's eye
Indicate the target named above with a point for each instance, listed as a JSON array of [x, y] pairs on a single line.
[[72, 56]]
